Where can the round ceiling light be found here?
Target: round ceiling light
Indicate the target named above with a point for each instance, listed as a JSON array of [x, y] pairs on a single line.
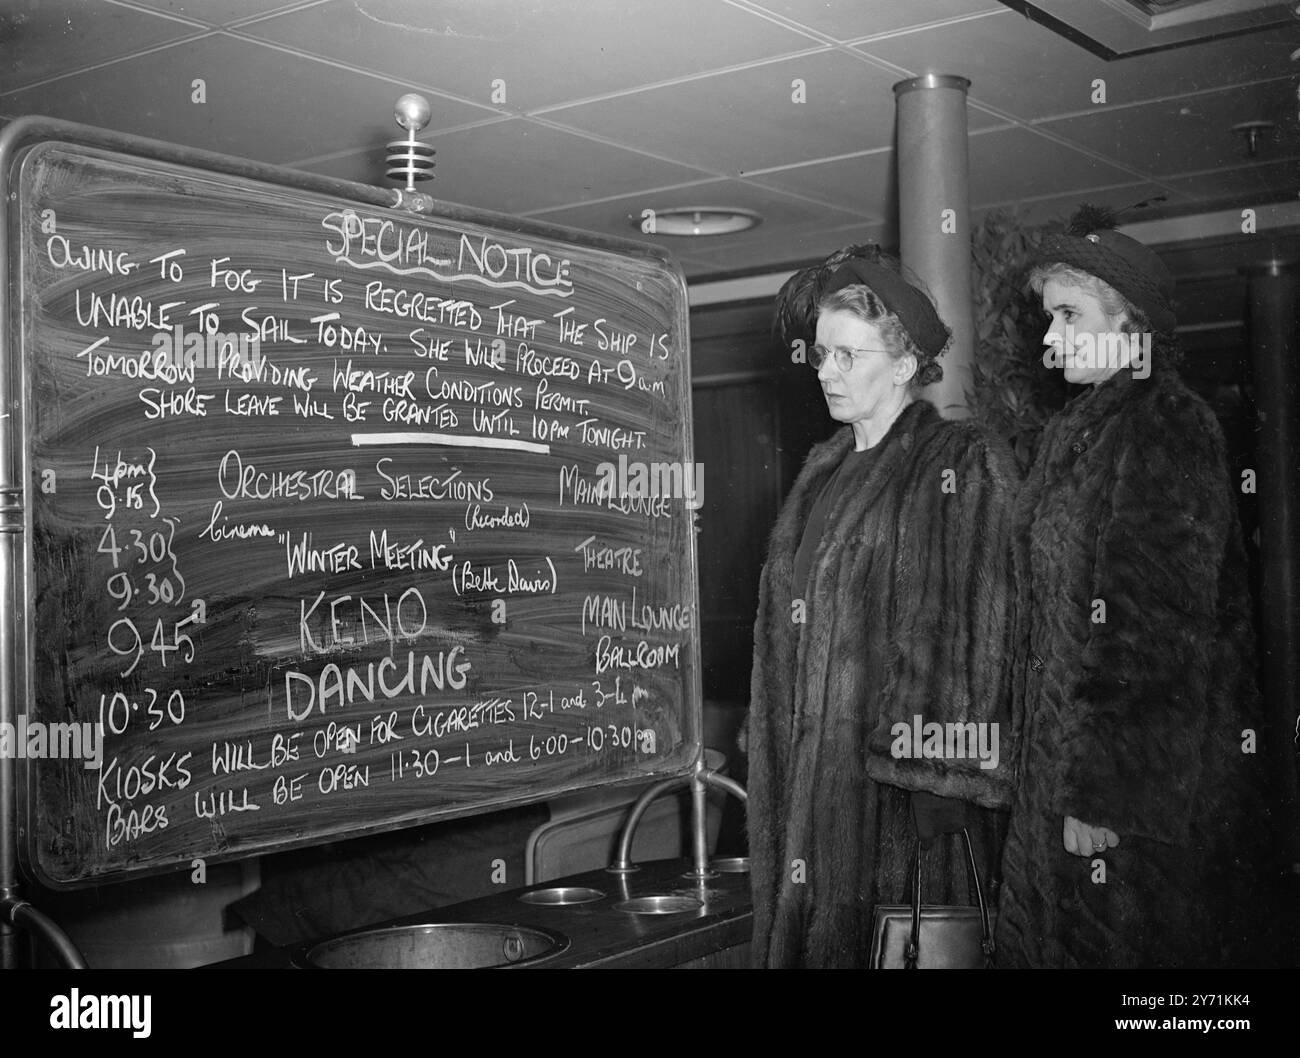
[[698, 220]]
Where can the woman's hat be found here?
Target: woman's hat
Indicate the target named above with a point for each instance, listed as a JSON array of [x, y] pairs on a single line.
[[865, 264], [1091, 244]]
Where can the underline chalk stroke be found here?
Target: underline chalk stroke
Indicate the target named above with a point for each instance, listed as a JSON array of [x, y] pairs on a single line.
[[453, 440]]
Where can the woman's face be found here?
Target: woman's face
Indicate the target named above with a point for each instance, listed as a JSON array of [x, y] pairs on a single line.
[[1079, 325], [871, 385]]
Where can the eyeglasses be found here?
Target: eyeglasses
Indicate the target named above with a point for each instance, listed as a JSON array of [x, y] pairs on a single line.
[[844, 356]]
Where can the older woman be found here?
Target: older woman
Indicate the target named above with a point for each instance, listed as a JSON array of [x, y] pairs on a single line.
[[1137, 804], [884, 607]]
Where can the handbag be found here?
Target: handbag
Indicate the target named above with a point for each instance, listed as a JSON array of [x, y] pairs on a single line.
[[934, 936]]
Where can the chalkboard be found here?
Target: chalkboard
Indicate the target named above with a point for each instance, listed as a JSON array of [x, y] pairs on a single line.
[[339, 518]]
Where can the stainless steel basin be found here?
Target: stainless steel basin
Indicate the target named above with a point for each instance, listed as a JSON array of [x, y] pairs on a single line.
[[437, 946], [562, 896], [667, 904]]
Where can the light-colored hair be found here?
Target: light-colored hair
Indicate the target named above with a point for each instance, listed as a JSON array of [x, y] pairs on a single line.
[[858, 300], [1113, 303]]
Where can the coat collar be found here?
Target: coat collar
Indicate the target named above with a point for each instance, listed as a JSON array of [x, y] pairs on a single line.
[[907, 433], [915, 418], [1098, 402]]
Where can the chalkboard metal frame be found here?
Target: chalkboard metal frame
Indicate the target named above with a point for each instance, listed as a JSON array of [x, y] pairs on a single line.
[[19, 830]]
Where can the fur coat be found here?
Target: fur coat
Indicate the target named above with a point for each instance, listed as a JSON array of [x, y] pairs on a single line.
[[1137, 678], [906, 613]]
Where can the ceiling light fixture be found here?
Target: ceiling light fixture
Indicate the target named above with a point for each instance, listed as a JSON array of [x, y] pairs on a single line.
[[1252, 132], [698, 220]]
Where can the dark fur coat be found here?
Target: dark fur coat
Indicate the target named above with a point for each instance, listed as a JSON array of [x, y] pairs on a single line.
[[908, 613], [1134, 722]]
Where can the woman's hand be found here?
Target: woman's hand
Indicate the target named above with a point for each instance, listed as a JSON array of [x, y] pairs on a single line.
[[1081, 839]]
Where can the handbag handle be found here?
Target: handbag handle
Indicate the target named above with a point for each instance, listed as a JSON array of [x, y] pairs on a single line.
[[913, 953]]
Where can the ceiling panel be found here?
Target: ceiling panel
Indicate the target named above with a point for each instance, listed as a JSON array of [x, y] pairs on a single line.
[[780, 213], [860, 183], [792, 229], [544, 52], [855, 19], [1243, 185], [1188, 134], [219, 12], [42, 38], [252, 106], [1029, 71], [1055, 209], [748, 119], [528, 167], [1015, 163], [798, 247]]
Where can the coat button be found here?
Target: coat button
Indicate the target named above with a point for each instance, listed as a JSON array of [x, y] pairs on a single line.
[[1035, 663]]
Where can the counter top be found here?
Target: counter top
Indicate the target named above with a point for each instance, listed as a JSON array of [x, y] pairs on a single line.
[[599, 934]]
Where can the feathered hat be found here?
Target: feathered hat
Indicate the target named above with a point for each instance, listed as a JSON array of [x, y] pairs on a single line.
[[867, 265], [1091, 244]]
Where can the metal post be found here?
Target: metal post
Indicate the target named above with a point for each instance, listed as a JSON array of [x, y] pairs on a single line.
[[934, 218], [700, 822], [1273, 343]]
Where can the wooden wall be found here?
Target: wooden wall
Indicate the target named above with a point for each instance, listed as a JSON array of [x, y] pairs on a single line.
[[755, 415]]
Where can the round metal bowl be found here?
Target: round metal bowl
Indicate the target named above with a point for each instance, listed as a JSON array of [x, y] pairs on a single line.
[[730, 864], [659, 905], [562, 896], [437, 946]]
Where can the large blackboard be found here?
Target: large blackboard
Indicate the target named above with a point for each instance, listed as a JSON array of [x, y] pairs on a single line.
[[424, 548]]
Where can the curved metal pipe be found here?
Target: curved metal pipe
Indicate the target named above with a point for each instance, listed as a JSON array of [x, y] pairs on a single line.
[[23, 915], [623, 861], [723, 782]]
